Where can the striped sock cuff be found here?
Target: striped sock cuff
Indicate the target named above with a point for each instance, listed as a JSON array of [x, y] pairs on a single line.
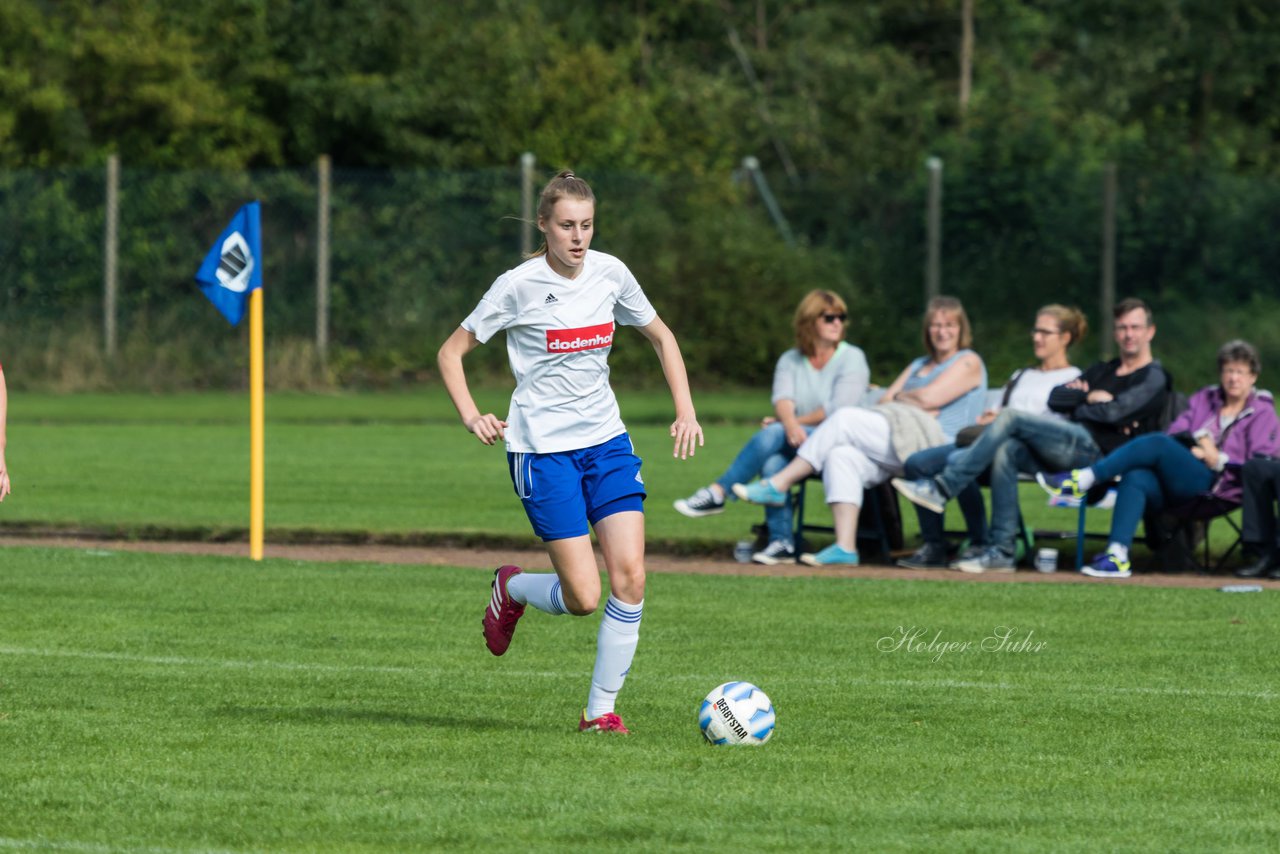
[[557, 599], [623, 613]]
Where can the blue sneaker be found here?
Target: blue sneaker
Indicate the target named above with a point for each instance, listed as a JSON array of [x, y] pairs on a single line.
[[761, 492], [924, 492], [1065, 484], [832, 555], [1108, 565]]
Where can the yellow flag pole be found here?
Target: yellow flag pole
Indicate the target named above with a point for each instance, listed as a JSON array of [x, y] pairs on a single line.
[[256, 424]]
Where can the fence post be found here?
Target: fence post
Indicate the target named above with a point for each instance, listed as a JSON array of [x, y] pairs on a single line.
[[752, 165], [933, 231], [324, 168], [110, 246], [1108, 296], [527, 216]]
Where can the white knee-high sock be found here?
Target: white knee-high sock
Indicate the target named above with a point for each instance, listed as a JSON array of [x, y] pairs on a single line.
[[615, 648], [1086, 478], [539, 589]]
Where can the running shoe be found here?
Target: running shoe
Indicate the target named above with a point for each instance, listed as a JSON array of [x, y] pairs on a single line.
[[923, 492], [608, 722], [832, 555], [761, 492], [778, 551], [993, 559], [502, 613], [702, 503], [1108, 565], [1064, 484], [928, 556], [968, 553]]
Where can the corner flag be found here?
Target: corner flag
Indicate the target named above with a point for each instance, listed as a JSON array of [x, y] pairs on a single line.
[[231, 277], [233, 267]]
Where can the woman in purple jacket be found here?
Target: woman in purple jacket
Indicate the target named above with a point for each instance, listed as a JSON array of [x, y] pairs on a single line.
[[1225, 423]]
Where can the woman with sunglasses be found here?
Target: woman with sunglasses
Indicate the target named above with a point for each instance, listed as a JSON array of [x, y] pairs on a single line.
[[855, 448], [822, 373], [568, 452]]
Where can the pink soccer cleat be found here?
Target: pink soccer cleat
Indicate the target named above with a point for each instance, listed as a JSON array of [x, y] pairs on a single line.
[[502, 613], [608, 722]]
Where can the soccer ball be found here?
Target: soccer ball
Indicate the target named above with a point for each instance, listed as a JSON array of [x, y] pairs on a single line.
[[736, 713]]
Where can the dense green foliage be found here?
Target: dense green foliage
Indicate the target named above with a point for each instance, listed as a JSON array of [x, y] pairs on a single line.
[[170, 703], [426, 109]]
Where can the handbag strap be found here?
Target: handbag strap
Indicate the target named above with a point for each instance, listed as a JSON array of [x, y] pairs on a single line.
[[1008, 388]]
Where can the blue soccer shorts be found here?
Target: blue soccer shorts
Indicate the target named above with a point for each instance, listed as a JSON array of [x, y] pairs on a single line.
[[565, 493]]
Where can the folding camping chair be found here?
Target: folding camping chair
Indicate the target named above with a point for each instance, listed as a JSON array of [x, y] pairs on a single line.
[[1176, 539], [879, 521]]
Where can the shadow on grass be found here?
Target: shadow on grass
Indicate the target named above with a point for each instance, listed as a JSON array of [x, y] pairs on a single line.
[[322, 715]]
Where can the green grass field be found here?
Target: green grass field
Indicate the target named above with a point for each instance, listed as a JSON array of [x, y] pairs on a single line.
[[180, 704], [159, 703]]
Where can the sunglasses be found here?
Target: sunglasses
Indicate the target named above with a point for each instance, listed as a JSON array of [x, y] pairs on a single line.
[[832, 318]]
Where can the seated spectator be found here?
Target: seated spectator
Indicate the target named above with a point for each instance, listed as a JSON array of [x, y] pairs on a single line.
[[1056, 329], [1227, 422], [4, 412], [1261, 485], [1108, 404], [819, 375], [855, 448]]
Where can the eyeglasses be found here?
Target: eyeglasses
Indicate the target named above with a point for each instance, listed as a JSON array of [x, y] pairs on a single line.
[[832, 318], [1039, 331]]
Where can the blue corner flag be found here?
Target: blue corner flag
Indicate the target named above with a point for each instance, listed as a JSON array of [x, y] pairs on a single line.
[[233, 266]]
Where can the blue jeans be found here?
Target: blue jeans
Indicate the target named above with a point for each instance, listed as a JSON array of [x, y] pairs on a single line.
[[1014, 443], [928, 463], [1155, 471], [765, 454]]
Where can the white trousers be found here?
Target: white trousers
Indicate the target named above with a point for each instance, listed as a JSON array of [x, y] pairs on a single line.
[[853, 451]]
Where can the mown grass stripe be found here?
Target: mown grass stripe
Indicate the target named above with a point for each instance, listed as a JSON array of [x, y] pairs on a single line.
[[179, 661], [96, 848]]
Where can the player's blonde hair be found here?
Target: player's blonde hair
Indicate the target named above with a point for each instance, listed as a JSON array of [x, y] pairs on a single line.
[[566, 185]]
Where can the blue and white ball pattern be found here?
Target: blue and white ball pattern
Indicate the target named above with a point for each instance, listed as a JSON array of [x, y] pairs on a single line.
[[736, 713]]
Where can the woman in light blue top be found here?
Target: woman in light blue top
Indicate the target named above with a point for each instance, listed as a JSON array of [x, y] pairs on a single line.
[[819, 375], [857, 448]]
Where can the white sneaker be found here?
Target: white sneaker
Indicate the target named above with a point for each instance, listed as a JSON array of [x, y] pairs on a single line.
[[991, 560], [778, 551]]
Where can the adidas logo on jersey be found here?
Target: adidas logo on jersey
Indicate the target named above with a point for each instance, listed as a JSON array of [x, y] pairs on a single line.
[[550, 299]]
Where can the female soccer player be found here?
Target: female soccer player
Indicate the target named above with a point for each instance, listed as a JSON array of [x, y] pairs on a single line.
[[569, 455]]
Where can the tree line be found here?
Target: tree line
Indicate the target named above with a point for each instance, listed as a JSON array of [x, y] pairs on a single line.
[[840, 102]]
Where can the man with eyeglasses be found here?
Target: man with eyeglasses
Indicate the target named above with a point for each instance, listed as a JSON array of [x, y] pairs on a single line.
[[1107, 405]]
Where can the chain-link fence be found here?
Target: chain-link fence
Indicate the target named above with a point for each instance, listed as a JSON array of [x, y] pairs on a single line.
[[410, 252]]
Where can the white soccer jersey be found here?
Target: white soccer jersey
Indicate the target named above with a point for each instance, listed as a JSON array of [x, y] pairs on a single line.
[[559, 333]]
